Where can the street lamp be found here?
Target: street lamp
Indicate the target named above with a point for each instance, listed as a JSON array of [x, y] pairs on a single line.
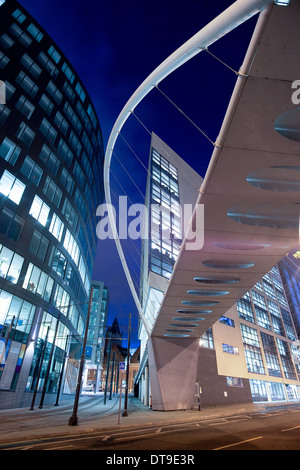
[[73, 421]]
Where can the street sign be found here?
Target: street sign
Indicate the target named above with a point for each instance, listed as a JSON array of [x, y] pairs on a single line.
[[122, 366]]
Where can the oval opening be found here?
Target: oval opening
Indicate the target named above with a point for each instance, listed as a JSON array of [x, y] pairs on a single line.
[[194, 312], [180, 331], [239, 246], [188, 319], [226, 265], [208, 293], [288, 124], [267, 215], [170, 335], [199, 303], [211, 280], [183, 325], [281, 179]]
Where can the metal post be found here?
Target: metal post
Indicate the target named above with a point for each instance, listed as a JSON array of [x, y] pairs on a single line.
[[117, 378], [125, 412], [112, 376], [119, 416], [49, 364], [39, 373], [107, 371], [73, 421], [62, 371], [6, 341]]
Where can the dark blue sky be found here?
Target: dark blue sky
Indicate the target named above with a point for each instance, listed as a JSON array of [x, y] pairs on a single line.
[[114, 46]]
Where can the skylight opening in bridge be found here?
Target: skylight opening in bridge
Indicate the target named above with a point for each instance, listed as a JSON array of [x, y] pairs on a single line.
[[197, 303], [194, 312], [283, 3], [211, 280], [206, 293], [188, 319]]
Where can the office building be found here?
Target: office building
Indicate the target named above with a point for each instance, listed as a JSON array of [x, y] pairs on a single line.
[[96, 338], [171, 191], [289, 268], [250, 354], [51, 161]]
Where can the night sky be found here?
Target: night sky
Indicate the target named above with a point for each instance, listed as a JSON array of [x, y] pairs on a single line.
[[114, 46]]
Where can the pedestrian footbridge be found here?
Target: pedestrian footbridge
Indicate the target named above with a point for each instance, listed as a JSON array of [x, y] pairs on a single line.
[[250, 192]]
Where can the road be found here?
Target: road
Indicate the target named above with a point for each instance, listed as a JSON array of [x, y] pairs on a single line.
[[274, 429]]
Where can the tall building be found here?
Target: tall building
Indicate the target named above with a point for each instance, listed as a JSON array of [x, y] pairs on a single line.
[[172, 188], [94, 354], [289, 268], [51, 161], [250, 354]]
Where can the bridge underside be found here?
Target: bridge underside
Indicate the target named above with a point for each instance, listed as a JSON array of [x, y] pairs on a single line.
[[251, 206]]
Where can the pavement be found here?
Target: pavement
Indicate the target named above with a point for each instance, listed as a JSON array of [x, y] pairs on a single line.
[[93, 415]]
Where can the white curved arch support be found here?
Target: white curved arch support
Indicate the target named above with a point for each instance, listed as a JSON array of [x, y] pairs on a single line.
[[232, 17]]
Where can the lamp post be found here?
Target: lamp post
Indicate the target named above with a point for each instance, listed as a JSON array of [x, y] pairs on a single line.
[[62, 373], [49, 364], [73, 421], [39, 373], [107, 371], [125, 412], [112, 376]]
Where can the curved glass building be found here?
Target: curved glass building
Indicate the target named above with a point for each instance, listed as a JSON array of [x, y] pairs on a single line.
[[51, 157]]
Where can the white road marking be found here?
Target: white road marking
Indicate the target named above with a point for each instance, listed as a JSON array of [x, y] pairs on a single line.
[[239, 443]]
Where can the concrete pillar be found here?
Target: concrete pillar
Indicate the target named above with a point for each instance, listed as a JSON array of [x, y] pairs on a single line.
[[173, 366]]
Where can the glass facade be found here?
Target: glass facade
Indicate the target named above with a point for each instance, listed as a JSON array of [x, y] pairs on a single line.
[[165, 215], [51, 162], [268, 334]]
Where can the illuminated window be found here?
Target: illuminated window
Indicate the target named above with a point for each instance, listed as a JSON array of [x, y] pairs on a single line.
[[17, 14], [54, 54], [10, 264], [11, 225], [27, 84], [38, 282], [50, 159], [39, 210], [252, 350], [230, 349], [20, 35], [39, 245], [58, 262], [80, 91], [68, 72], [48, 131], [52, 191], [31, 66], [11, 187], [62, 299], [165, 216], [32, 171], [4, 60], [25, 134], [48, 64], [9, 151], [35, 32], [56, 227], [25, 106], [54, 92], [71, 246]]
